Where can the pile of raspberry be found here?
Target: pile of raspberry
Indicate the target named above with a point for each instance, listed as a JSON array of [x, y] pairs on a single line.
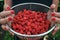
[[30, 22]]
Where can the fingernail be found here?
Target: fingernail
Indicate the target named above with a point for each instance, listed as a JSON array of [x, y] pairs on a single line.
[[5, 28], [53, 14], [10, 18], [12, 12], [53, 19], [8, 8]]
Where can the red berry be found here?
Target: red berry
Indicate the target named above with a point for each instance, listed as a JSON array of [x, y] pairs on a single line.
[[30, 22], [21, 31], [41, 19], [28, 33]]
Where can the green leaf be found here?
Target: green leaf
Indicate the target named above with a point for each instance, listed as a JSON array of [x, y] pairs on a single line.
[[1, 0], [57, 35], [8, 36]]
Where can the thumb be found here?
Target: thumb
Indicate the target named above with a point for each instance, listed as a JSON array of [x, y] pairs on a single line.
[[7, 7]]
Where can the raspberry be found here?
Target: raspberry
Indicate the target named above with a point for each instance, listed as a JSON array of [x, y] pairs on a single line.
[[30, 22], [28, 33]]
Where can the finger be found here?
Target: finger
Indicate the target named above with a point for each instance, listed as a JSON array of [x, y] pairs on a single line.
[[52, 6], [6, 7], [6, 13], [4, 27], [55, 30], [11, 33], [57, 14], [6, 20], [55, 19]]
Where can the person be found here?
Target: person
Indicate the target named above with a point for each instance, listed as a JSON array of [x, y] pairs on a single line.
[[10, 13]]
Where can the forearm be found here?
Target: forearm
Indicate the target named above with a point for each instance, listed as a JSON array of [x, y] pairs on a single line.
[[8, 2], [56, 2]]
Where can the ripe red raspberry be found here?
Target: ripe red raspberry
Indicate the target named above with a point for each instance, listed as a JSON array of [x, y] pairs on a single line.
[[30, 22], [28, 33], [21, 31]]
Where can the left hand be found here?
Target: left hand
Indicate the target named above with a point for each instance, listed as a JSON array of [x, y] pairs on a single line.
[[55, 18]]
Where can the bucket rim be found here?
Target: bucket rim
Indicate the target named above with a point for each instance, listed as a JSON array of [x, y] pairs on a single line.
[[38, 35]]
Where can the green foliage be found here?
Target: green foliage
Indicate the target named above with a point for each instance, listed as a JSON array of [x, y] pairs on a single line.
[[57, 35], [1, 5], [8, 36]]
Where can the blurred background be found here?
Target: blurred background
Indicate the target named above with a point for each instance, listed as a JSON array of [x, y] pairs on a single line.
[[4, 35]]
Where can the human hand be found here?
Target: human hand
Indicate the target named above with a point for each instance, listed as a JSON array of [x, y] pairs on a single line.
[[6, 16], [55, 18]]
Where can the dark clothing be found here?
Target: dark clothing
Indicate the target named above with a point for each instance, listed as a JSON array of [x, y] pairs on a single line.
[[46, 2]]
